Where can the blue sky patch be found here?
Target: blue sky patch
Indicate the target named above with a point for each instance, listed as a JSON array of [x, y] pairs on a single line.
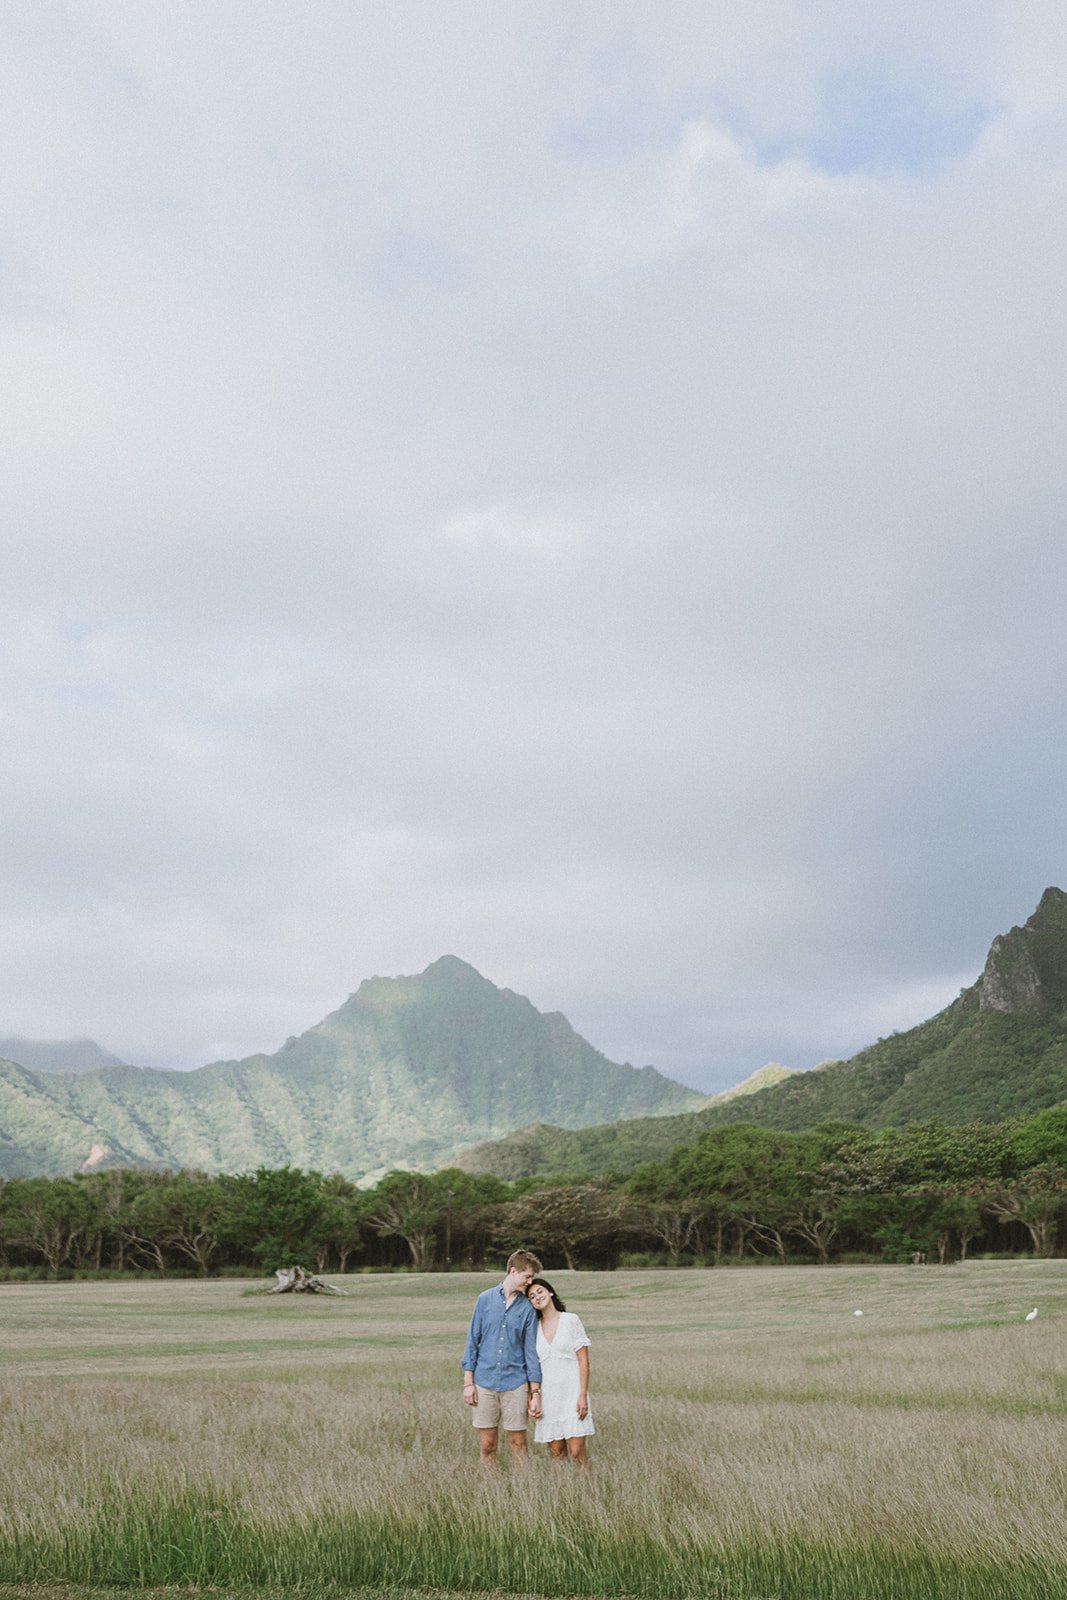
[[869, 124]]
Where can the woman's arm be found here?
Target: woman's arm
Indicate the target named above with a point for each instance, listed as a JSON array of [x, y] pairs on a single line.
[[583, 1382]]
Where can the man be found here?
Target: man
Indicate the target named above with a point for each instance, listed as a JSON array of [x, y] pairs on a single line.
[[501, 1372]]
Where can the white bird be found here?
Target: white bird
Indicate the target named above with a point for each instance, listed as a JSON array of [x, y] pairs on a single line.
[[860, 1313], [1030, 1315]]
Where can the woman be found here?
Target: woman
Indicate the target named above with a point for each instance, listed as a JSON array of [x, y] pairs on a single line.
[[563, 1351]]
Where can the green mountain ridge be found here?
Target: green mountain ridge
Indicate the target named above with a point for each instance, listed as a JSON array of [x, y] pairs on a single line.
[[998, 1051], [406, 1072]]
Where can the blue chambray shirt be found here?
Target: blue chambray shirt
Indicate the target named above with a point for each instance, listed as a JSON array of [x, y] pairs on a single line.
[[501, 1347]]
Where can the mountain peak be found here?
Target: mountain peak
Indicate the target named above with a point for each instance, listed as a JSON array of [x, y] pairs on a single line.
[[1052, 907], [451, 967], [1026, 969], [763, 1078]]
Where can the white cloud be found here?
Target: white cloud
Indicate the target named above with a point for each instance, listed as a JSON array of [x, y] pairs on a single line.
[[477, 482]]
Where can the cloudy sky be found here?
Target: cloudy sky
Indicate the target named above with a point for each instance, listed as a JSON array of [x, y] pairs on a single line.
[[580, 488]]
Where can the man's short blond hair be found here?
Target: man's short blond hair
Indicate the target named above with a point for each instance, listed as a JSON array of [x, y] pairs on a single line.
[[523, 1261]]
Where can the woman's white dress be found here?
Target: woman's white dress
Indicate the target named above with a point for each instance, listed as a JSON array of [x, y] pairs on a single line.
[[561, 1381]]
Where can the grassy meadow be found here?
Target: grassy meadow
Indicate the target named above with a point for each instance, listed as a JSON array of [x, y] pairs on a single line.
[[756, 1440]]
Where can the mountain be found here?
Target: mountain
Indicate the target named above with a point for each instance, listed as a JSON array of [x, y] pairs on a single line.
[[540, 1150], [410, 1071], [405, 1073], [998, 1051], [56, 1055]]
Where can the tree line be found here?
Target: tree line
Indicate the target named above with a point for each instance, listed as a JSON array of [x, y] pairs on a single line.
[[839, 1191]]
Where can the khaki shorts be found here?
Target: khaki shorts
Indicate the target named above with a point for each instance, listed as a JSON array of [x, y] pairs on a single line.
[[508, 1408]]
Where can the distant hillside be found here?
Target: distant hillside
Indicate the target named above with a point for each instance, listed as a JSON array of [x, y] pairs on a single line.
[[56, 1055], [998, 1051], [763, 1078], [406, 1072], [539, 1151]]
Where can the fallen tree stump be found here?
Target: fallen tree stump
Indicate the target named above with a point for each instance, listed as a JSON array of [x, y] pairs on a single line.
[[297, 1280]]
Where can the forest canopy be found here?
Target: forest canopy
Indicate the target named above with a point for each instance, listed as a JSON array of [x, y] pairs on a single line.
[[840, 1191]]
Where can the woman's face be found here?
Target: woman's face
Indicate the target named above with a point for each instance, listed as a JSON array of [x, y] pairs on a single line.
[[539, 1297]]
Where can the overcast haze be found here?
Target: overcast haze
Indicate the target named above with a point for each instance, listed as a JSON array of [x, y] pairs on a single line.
[[580, 488]]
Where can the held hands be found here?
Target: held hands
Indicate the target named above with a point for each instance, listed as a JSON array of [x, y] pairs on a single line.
[[534, 1407]]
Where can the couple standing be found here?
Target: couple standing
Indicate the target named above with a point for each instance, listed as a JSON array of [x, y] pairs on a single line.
[[527, 1355]]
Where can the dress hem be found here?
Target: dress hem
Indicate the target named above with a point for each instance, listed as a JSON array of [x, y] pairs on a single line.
[[564, 1430]]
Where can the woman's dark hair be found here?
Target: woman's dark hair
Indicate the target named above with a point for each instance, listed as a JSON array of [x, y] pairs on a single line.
[[556, 1301]]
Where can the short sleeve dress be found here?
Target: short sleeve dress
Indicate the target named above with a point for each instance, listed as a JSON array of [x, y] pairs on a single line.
[[561, 1381]]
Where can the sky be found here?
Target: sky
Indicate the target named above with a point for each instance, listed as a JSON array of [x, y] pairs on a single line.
[[578, 488]]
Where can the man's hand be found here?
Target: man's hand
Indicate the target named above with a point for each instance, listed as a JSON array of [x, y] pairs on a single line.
[[470, 1393]]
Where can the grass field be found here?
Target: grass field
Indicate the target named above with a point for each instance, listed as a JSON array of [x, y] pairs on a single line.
[[756, 1440]]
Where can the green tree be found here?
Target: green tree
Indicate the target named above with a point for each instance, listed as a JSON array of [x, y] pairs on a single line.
[[112, 1192], [955, 1213], [272, 1216], [466, 1205], [933, 1151], [743, 1177], [51, 1218], [1037, 1199], [815, 1218], [569, 1220], [340, 1233], [406, 1205], [674, 1220], [1041, 1138], [184, 1213]]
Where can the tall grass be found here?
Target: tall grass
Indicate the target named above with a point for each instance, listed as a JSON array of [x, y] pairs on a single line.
[[755, 1440]]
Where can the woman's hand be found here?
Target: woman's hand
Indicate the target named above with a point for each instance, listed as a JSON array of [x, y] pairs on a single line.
[[583, 1405]]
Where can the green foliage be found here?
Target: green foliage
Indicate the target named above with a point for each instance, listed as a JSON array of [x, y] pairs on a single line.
[[574, 1223], [49, 1219], [185, 1213], [734, 1192], [1041, 1138], [405, 1206], [283, 1211]]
